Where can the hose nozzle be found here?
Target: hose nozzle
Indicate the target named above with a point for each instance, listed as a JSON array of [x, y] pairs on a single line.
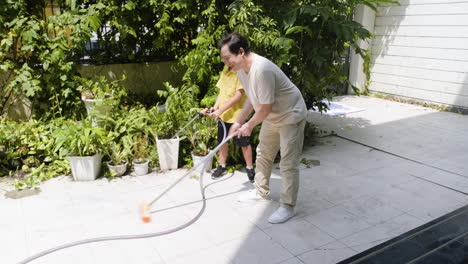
[[205, 111], [145, 212]]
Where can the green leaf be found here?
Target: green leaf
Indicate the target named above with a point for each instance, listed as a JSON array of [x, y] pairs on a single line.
[[6, 42], [295, 29], [130, 5], [45, 65]]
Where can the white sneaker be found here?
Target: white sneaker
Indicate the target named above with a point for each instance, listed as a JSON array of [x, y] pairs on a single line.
[[281, 215], [251, 196]]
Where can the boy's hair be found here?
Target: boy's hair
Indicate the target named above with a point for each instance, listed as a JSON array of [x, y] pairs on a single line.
[[234, 41]]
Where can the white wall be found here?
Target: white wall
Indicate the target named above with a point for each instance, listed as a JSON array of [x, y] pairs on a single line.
[[366, 17], [420, 51]]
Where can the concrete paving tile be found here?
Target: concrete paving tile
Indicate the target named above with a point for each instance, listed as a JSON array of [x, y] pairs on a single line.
[[40, 239], [96, 207], [415, 169], [131, 224], [450, 180], [337, 222], [399, 199], [292, 261], [326, 173], [155, 179], [132, 200], [435, 194], [181, 243], [381, 232], [73, 255], [13, 240], [220, 223], [364, 184], [402, 224], [255, 248], [372, 159], [48, 212], [411, 198], [11, 211], [207, 256], [230, 183], [427, 213], [456, 164], [187, 191], [298, 236], [336, 193], [368, 238], [256, 213], [309, 203], [327, 254], [125, 251], [370, 209], [390, 175]]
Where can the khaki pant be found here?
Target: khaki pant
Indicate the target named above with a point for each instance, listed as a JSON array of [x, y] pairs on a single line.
[[289, 140]]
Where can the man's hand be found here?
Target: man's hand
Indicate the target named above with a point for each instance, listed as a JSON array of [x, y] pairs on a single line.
[[245, 130]]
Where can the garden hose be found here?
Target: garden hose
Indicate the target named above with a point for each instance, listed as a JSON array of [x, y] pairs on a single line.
[[148, 235], [203, 112]]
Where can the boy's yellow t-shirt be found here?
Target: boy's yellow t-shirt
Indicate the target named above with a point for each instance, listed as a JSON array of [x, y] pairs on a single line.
[[228, 84]]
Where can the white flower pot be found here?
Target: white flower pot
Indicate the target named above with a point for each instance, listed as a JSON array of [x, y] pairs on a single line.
[[119, 170], [198, 159], [85, 168], [140, 166], [168, 152]]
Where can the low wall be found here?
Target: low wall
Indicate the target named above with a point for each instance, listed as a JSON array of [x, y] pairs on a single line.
[[142, 78]]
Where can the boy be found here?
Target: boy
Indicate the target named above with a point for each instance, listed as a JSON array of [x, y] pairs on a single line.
[[227, 108]]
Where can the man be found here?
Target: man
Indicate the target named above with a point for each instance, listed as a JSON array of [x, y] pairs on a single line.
[[279, 106]]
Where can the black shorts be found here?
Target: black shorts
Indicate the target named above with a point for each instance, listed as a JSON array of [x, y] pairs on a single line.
[[243, 141]]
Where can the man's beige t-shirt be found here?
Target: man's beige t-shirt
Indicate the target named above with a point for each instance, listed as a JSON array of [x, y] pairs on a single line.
[[267, 84]]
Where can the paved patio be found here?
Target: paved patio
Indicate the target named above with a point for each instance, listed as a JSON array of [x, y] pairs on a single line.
[[391, 168]]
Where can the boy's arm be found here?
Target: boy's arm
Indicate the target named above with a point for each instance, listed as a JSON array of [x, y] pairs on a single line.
[[221, 109], [216, 105]]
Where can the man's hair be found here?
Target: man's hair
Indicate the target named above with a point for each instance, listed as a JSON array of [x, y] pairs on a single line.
[[234, 41]]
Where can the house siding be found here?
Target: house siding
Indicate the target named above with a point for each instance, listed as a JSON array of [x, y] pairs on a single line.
[[420, 51]]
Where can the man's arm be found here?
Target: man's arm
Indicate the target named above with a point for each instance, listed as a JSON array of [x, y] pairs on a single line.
[[246, 110], [260, 115]]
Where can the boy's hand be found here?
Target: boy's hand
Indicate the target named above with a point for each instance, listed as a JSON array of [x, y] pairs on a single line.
[[215, 114], [204, 111]]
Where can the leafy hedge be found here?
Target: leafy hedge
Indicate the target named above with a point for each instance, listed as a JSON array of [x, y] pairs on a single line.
[[38, 54]]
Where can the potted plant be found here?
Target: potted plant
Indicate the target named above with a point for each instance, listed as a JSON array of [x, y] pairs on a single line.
[[100, 96], [202, 138], [118, 159], [140, 154], [177, 107], [82, 144]]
